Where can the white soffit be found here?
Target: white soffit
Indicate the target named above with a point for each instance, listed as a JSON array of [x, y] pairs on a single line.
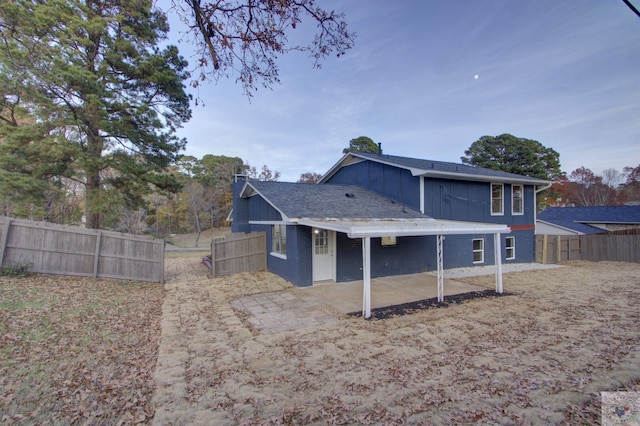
[[402, 227]]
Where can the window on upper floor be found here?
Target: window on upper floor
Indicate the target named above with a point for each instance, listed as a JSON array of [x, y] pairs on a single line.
[[517, 199], [478, 250], [510, 246], [497, 199], [279, 240]]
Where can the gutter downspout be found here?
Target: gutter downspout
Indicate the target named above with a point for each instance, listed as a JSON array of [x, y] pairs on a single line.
[[544, 187], [535, 203]]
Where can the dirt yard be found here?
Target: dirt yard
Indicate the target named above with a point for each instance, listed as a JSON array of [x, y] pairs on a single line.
[[540, 355]]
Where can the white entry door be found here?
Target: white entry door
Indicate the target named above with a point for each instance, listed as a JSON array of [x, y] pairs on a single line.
[[323, 250]]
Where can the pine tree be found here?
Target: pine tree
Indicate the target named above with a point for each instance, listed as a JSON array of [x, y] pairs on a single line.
[[88, 95]]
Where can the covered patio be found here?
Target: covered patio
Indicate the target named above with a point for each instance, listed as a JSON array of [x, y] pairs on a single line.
[[377, 228]]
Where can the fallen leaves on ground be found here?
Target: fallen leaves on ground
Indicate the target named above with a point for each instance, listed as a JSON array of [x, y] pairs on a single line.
[[539, 356], [77, 350]]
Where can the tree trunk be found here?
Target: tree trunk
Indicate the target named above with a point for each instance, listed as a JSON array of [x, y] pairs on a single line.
[[197, 221], [93, 153], [91, 192]]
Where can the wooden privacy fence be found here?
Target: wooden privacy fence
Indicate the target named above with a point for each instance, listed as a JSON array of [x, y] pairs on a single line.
[[67, 250], [594, 247], [235, 253]]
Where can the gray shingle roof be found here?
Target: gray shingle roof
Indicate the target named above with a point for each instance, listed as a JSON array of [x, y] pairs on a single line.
[[303, 200], [443, 168]]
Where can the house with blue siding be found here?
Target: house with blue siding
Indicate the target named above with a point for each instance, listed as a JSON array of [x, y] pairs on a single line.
[[375, 215]]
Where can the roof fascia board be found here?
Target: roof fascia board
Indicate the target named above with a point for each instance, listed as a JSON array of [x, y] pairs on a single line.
[[404, 229], [482, 178], [328, 225], [256, 192], [605, 222], [337, 166], [272, 222], [564, 228], [381, 160]]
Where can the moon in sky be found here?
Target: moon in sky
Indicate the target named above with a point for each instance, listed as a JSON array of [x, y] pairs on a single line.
[[476, 76]]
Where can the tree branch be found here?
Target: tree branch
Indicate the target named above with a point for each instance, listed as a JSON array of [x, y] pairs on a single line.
[[197, 11], [632, 7]]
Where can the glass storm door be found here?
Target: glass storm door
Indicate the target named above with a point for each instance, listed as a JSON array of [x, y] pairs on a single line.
[[323, 248]]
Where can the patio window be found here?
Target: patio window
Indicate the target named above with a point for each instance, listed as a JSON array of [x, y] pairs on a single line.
[[497, 199], [510, 246], [517, 200], [279, 241], [478, 250]]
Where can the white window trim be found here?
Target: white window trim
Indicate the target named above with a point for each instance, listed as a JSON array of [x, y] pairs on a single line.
[[513, 248], [521, 199], [501, 185], [473, 251], [278, 255]]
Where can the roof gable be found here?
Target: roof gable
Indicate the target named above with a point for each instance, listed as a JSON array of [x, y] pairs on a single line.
[[436, 169]]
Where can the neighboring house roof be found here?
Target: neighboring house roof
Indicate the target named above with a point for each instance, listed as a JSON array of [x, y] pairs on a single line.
[[355, 211], [579, 218], [437, 169], [570, 225]]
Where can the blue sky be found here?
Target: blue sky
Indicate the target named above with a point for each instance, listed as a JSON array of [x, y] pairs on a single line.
[[565, 73]]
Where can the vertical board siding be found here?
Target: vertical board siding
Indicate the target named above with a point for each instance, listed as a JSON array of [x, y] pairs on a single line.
[[237, 253], [594, 248], [67, 250]]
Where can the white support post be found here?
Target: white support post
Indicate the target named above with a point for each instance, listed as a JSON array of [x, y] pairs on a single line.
[[440, 269], [366, 277], [498, 259]]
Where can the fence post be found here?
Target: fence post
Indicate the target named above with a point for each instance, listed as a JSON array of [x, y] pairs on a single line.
[[213, 257], [42, 246], [97, 254], [162, 261], [559, 259], [544, 249], [5, 238]]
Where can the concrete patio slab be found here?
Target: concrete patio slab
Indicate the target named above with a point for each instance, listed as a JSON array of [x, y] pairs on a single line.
[[322, 303], [280, 311], [387, 291]]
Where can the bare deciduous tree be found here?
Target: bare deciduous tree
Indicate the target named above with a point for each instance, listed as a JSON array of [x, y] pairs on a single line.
[[133, 221], [244, 38], [309, 177]]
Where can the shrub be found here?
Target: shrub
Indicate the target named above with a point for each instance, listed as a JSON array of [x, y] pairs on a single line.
[[16, 270]]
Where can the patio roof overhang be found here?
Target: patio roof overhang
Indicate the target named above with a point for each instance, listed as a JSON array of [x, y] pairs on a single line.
[[374, 228]]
